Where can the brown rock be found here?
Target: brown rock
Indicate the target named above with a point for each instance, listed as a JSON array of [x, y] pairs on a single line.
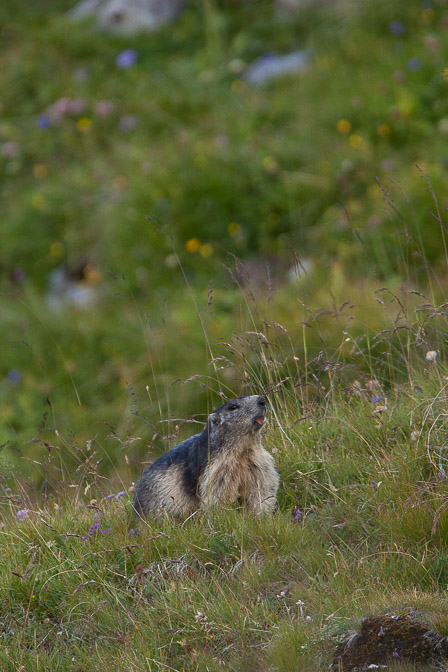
[[389, 638]]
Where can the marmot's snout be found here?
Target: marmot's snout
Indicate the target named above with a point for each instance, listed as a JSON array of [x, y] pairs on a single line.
[[260, 418]]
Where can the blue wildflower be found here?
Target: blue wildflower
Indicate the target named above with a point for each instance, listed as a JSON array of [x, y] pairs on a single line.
[[126, 59], [414, 64], [297, 515], [14, 376], [377, 400], [43, 122], [22, 514], [120, 495], [397, 28]]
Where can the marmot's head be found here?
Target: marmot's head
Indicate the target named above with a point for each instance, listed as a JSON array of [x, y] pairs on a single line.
[[239, 417]]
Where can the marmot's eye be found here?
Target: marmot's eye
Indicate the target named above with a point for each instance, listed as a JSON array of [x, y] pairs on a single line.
[[232, 407]]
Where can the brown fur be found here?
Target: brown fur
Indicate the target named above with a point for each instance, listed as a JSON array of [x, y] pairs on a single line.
[[224, 464]]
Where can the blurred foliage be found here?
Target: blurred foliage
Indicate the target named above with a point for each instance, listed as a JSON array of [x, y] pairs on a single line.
[[143, 183]]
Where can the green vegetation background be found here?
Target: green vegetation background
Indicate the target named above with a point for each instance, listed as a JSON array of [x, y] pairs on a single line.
[[312, 171], [230, 238]]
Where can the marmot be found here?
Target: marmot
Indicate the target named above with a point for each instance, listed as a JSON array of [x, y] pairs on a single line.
[[225, 463]]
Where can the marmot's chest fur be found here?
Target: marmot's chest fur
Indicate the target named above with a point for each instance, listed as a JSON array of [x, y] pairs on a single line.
[[225, 463]]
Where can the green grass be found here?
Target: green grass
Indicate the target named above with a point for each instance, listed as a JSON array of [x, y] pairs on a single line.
[[227, 588]]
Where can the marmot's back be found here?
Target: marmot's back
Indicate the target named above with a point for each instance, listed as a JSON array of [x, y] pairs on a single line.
[[223, 464]]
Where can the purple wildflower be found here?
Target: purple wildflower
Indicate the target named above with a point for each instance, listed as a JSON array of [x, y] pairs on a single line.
[[14, 376], [97, 515], [18, 275], [10, 149], [104, 108], [126, 59], [43, 122], [111, 496], [120, 495], [414, 64], [441, 473], [22, 514], [128, 122], [397, 28], [133, 532], [93, 528], [77, 106], [297, 515], [377, 400]]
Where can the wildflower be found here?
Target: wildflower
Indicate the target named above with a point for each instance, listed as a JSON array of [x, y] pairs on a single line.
[[128, 122], [383, 131], [14, 376], [38, 201], [120, 495], [43, 122], [431, 355], [297, 515], [126, 59], [18, 275], [193, 245], [104, 108], [414, 64], [234, 228], [356, 141], [343, 126], [84, 125], [397, 28], [441, 473], [206, 250], [97, 515], [111, 496], [105, 532], [9, 149], [377, 400], [22, 514], [93, 528]]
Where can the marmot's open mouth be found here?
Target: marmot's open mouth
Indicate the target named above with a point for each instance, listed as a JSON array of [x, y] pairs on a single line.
[[260, 420]]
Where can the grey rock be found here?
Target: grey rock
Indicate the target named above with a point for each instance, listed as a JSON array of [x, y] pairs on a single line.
[[129, 16]]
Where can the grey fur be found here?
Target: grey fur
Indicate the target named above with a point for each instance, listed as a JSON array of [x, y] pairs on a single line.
[[224, 464]]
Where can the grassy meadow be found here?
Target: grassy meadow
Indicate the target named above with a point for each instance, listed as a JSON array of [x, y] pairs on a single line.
[[173, 235]]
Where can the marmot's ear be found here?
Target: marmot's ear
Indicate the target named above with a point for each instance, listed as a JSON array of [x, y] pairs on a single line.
[[214, 419]]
